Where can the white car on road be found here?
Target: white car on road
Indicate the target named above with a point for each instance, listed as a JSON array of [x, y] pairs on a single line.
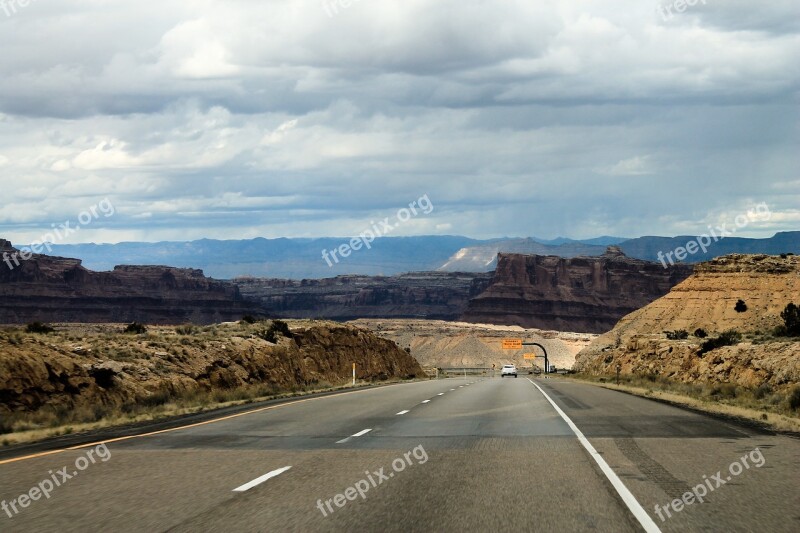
[[508, 370]]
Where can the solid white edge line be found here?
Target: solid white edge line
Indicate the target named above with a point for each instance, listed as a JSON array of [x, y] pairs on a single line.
[[262, 479], [402, 412], [627, 497]]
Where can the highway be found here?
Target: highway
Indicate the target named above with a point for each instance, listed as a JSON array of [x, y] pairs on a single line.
[[476, 454]]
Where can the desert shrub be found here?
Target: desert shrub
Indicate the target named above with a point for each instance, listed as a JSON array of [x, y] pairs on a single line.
[[724, 390], [186, 329], [38, 327], [276, 328], [762, 391], [726, 338], [677, 335], [15, 338], [740, 306], [6, 426], [248, 319], [700, 333], [281, 327], [135, 328], [791, 320], [155, 399], [794, 398]]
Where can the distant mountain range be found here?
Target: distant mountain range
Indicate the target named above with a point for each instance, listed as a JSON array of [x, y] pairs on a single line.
[[303, 259]]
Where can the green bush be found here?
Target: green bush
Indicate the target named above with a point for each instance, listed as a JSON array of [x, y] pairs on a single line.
[[740, 306], [791, 320], [700, 333], [38, 327], [677, 335], [248, 319], [277, 327], [726, 338], [135, 328]]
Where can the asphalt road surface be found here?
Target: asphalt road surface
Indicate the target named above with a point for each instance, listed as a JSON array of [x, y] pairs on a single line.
[[449, 455]]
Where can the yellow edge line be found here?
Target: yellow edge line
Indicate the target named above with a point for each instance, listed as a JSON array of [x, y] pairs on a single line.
[[179, 428]]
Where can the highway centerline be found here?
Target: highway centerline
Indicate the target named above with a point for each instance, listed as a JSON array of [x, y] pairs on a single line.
[[402, 412], [359, 434], [627, 497], [425, 401], [259, 480]]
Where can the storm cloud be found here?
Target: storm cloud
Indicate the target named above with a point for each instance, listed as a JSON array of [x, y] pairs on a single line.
[[240, 119]]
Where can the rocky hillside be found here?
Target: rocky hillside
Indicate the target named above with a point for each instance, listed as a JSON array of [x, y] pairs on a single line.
[[435, 295], [582, 294], [97, 368], [708, 300], [55, 289]]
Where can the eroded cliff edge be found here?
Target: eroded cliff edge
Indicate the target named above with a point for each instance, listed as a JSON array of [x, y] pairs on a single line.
[[581, 294]]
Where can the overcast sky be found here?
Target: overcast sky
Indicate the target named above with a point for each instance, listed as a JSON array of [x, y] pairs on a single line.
[[298, 118]]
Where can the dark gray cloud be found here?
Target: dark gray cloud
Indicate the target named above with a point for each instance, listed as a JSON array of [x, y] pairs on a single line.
[[243, 119]]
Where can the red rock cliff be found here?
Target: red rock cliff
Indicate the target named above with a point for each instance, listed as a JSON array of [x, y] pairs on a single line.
[[581, 294]]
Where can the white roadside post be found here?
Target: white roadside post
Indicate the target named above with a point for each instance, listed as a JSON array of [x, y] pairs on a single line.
[[354, 374]]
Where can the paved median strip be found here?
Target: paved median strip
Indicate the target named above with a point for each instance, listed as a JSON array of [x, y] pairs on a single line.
[[259, 480], [627, 497]]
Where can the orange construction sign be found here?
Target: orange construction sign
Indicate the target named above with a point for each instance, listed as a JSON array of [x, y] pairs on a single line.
[[512, 344]]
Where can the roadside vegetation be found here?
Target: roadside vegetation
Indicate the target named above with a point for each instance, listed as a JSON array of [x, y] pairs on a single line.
[[789, 330], [765, 404], [52, 422]]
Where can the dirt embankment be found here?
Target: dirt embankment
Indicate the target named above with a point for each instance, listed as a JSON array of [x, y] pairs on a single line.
[[98, 368], [708, 300]]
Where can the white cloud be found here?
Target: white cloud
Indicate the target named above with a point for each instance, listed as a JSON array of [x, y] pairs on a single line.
[[244, 118]]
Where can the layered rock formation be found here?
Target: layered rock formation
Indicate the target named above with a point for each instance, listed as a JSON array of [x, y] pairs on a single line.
[[434, 295], [54, 289], [81, 367], [707, 300], [582, 294]]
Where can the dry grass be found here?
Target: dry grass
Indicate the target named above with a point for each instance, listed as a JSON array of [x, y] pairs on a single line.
[[772, 408]]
